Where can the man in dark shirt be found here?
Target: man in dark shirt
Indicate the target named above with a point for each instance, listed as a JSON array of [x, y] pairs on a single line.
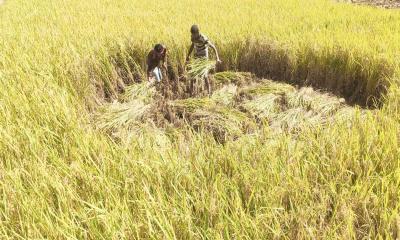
[[154, 59]]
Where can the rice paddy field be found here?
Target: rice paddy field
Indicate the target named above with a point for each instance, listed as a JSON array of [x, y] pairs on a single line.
[[299, 139]]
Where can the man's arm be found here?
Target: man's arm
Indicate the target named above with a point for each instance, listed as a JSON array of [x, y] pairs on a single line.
[[148, 73], [190, 52], [148, 62], [215, 50], [165, 60]]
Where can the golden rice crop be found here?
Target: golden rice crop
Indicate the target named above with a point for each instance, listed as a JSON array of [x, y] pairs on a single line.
[[330, 171]]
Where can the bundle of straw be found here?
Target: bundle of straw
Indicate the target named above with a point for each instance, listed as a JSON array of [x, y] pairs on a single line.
[[199, 68]]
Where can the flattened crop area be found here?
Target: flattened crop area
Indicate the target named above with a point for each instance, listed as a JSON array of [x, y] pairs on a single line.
[[241, 104]]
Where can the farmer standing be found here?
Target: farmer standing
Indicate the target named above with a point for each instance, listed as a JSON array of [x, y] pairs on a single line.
[[200, 44], [154, 59]]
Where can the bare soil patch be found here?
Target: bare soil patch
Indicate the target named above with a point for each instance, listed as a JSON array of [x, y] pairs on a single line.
[[389, 4]]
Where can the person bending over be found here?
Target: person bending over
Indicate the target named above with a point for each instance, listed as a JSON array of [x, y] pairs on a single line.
[[156, 59]]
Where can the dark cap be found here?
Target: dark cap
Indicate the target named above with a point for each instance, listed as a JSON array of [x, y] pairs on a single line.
[[194, 29]]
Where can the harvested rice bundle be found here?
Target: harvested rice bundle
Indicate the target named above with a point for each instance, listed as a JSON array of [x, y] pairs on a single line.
[[295, 120], [349, 114], [263, 107], [237, 78], [216, 123], [122, 115], [204, 114], [223, 123], [191, 104], [199, 68], [266, 87], [225, 95], [141, 91], [309, 99]]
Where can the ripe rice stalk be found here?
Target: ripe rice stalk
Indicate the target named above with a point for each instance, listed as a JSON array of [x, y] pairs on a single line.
[[295, 120], [266, 87], [310, 99], [199, 68], [212, 120], [121, 115], [223, 123], [264, 106], [237, 78], [348, 114], [191, 104], [225, 95], [125, 65], [146, 135], [142, 91]]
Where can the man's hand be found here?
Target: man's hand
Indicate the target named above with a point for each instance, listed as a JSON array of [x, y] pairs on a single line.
[[219, 61], [165, 66], [151, 81]]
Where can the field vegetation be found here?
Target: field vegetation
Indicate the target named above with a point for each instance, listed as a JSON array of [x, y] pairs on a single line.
[[300, 139]]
